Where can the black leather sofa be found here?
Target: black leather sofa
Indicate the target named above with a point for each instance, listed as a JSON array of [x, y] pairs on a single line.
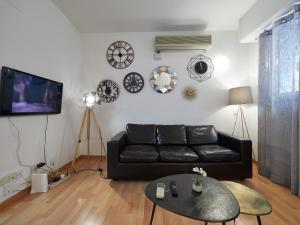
[[147, 151]]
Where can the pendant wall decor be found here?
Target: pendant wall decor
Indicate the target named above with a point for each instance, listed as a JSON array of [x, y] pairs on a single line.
[[163, 79], [200, 68], [190, 93]]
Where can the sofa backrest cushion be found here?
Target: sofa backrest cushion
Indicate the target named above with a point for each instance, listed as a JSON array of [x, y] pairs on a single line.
[[171, 135], [141, 134], [201, 135]]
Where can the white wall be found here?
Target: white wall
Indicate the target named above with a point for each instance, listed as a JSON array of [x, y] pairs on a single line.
[[210, 107], [262, 13], [37, 38]]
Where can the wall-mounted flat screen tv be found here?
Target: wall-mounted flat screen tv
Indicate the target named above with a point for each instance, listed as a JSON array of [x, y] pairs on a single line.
[[27, 94]]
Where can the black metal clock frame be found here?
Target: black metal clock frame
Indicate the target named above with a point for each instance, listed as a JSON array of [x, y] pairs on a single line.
[[200, 68], [133, 82], [108, 91], [120, 54]]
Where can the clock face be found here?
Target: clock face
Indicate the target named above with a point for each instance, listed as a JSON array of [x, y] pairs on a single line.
[[108, 91], [201, 67], [133, 82], [120, 54]]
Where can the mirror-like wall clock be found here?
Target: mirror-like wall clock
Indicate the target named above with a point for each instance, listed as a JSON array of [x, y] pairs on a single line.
[[163, 79]]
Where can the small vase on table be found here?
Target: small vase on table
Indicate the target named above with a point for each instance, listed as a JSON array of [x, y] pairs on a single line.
[[197, 184]]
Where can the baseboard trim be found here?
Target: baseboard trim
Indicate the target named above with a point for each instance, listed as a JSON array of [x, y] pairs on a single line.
[[11, 200], [26, 191]]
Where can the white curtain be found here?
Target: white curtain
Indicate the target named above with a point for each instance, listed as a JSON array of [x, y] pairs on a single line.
[[278, 103]]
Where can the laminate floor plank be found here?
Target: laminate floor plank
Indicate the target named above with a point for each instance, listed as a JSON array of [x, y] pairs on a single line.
[[88, 199]]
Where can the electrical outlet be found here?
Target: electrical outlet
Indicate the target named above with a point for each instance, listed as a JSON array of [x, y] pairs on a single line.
[[4, 180], [11, 177], [10, 188]]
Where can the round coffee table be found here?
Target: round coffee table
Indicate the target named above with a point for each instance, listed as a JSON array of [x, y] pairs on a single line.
[[250, 201], [214, 204]]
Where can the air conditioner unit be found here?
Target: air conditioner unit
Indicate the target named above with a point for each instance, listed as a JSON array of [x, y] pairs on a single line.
[[182, 43]]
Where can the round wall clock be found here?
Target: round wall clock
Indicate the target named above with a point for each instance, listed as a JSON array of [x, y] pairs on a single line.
[[108, 91], [120, 54], [133, 82], [200, 68]]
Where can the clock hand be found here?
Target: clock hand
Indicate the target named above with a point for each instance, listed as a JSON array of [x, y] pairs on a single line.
[[120, 54]]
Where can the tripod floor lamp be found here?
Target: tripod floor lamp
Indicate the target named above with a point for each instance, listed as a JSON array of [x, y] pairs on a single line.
[[90, 99], [241, 96]]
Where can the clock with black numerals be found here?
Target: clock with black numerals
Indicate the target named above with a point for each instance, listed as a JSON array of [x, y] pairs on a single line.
[[133, 82], [120, 54], [108, 91]]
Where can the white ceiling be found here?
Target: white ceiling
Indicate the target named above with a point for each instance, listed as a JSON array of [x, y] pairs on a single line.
[[99, 16]]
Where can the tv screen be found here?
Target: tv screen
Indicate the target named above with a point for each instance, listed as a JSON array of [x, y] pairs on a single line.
[[23, 93]]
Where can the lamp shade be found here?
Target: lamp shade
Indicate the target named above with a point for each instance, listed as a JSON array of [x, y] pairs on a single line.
[[91, 99], [240, 95]]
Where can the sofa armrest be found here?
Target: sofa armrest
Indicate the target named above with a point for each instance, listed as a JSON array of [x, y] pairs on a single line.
[[243, 146], [114, 147]]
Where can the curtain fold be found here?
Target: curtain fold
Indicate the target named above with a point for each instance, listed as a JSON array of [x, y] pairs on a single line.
[[278, 103]]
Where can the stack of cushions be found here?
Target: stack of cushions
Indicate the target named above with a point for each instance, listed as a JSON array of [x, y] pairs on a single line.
[[174, 144]]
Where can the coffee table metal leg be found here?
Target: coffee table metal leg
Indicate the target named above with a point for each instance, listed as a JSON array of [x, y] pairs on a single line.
[[152, 214], [258, 220]]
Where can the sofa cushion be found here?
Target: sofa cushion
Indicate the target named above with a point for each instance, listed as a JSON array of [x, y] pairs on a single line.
[[139, 154], [216, 153], [171, 135], [177, 154], [200, 135], [141, 134]]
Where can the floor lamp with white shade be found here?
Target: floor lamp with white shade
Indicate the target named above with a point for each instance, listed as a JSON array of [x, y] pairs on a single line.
[[241, 96]]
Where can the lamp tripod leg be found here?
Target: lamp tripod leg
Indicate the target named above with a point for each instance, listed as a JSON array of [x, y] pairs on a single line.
[[88, 132], [242, 121], [100, 135], [236, 118], [99, 130], [79, 138], [247, 131]]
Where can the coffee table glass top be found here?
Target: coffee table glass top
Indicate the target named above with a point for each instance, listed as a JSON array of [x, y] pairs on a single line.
[[250, 201], [215, 204]]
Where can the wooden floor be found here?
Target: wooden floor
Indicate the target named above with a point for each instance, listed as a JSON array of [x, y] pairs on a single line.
[[86, 198]]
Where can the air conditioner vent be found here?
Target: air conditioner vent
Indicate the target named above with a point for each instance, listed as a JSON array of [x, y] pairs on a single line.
[[182, 43]]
